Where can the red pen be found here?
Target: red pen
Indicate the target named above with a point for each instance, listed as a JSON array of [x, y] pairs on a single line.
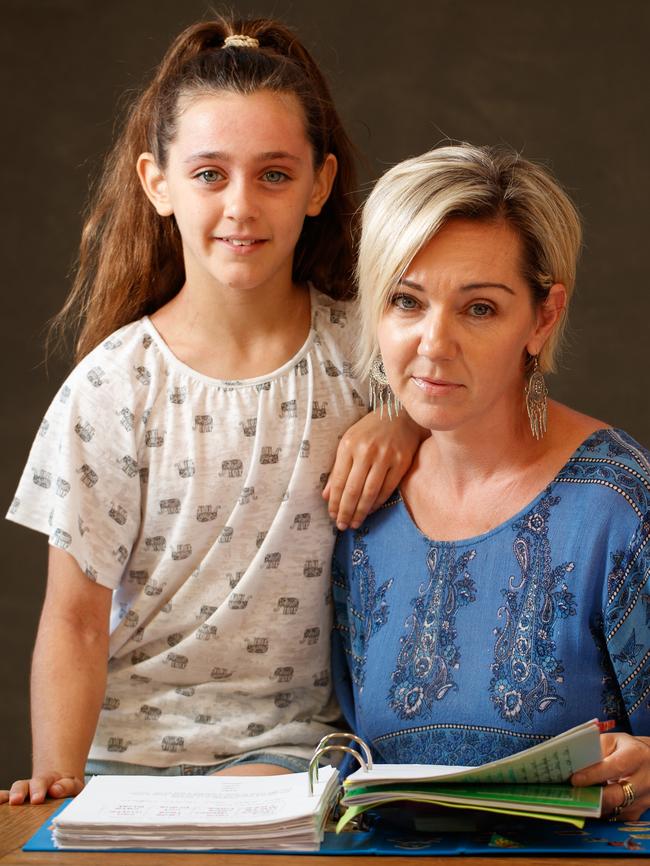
[[606, 726]]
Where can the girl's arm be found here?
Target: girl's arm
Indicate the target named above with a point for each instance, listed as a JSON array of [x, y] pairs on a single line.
[[68, 681], [372, 457]]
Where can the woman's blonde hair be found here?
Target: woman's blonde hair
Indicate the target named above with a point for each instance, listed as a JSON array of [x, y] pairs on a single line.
[[415, 198]]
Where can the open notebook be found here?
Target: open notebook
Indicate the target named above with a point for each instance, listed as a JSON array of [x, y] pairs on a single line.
[[289, 812], [533, 782]]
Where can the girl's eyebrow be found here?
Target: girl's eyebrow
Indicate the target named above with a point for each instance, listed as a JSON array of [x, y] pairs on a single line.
[[411, 284], [226, 157]]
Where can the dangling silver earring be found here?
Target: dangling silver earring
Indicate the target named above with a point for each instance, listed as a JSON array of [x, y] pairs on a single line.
[[380, 390], [536, 394]]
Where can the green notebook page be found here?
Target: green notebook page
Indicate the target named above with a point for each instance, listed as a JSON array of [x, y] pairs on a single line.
[[543, 795]]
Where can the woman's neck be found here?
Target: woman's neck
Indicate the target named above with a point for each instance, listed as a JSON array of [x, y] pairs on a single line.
[[475, 453], [466, 482]]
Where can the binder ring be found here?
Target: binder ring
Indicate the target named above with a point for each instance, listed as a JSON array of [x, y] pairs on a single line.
[[341, 735], [322, 748]]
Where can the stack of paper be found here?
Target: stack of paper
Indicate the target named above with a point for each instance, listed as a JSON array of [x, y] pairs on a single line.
[[199, 812], [533, 782]]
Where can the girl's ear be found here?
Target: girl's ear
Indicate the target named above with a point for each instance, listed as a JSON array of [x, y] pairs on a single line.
[[154, 184], [548, 317], [322, 185]]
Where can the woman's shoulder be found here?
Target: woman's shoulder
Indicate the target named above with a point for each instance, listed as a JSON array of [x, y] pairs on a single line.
[[613, 447], [609, 461], [590, 438]]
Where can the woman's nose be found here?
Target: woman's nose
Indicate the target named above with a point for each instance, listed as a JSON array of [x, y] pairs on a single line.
[[437, 340], [240, 204]]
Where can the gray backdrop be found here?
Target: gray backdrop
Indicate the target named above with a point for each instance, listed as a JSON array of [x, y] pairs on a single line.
[[562, 80]]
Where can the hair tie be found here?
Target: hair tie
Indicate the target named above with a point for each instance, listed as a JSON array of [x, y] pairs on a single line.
[[240, 40]]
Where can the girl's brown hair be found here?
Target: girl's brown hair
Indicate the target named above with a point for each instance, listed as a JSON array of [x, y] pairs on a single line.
[[130, 259]]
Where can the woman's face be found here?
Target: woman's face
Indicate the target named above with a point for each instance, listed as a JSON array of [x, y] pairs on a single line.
[[456, 330]]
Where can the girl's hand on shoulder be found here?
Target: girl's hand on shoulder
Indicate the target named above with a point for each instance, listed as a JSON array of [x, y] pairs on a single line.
[[38, 788], [371, 459], [626, 760]]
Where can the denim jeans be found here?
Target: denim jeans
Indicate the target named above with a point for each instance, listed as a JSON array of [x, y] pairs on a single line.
[[120, 768]]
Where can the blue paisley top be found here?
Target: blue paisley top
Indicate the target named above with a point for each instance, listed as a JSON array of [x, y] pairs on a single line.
[[460, 652]]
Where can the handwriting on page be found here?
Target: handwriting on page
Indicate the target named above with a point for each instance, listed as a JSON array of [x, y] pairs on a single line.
[[551, 765]]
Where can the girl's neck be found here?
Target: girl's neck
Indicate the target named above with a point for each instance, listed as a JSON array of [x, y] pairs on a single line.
[[231, 334]]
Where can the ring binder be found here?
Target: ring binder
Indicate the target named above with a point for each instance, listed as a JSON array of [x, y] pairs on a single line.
[[324, 747]]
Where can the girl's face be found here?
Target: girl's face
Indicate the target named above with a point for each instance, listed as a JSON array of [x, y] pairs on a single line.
[[239, 181], [456, 330]]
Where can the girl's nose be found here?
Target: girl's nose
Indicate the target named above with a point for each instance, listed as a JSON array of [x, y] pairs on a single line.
[[437, 340], [240, 204]]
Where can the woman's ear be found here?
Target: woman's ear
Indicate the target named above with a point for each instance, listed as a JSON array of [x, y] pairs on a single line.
[[323, 183], [549, 315], [154, 184]]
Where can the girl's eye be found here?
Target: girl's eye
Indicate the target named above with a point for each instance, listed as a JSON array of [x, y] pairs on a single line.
[[480, 310], [404, 302], [274, 176], [209, 175]]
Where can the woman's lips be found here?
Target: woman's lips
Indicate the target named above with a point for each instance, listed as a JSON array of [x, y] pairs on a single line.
[[436, 387]]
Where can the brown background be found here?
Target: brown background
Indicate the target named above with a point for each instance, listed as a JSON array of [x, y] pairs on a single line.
[[562, 81]]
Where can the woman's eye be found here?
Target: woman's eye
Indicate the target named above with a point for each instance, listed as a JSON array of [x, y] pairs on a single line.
[[209, 175], [274, 176], [404, 302], [480, 311]]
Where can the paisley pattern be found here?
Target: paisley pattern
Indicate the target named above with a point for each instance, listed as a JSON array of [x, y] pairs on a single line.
[[485, 646], [429, 653], [374, 608], [526, 673]]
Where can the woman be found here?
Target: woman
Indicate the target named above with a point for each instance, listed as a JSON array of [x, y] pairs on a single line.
[[498, 597]]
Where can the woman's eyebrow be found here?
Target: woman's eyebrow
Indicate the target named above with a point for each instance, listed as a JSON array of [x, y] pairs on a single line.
[[411, 284], [486, 285]]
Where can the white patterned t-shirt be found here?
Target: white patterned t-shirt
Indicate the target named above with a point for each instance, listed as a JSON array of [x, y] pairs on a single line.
[[198, 502]]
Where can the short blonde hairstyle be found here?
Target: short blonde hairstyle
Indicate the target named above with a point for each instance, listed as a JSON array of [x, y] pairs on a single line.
[[415, 198]]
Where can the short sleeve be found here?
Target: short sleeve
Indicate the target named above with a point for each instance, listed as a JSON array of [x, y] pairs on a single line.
[[81, 484], [338, 326], [626, 621]]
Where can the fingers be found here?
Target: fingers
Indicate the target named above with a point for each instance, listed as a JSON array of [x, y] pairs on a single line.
[[359, 496], [18, 793], [335, 486], [615, 796], [392, 479], [362, 479], [351, 498], [68, 786], [622, 757], [626, 762], [37, 789]]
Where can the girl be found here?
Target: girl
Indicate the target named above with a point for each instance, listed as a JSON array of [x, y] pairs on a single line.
[[178, 473]]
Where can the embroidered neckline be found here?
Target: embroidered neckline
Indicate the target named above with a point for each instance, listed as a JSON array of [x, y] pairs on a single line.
[[396, 499]]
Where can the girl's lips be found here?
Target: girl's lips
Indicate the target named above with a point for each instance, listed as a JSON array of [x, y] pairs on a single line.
[[244, 247]]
